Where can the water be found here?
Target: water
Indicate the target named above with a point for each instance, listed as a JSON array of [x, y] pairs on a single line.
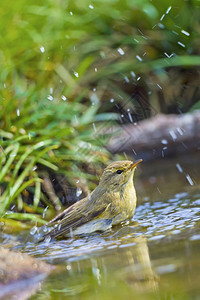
[[153, 256]]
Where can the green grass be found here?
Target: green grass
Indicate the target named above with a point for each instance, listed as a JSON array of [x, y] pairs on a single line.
[[43, 139], [61, 63]]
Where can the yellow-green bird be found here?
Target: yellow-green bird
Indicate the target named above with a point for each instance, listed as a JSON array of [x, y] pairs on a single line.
[[113, 201]]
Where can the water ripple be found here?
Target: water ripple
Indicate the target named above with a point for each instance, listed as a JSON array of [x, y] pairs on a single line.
[[154, 221]]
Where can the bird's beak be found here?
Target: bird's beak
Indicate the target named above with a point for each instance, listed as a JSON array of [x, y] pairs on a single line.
[[135, 163]]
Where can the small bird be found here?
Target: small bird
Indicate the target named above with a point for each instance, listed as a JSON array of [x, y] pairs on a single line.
[[112, 201]]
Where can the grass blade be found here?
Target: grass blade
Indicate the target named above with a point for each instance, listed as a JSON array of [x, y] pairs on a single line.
[[9, 161]]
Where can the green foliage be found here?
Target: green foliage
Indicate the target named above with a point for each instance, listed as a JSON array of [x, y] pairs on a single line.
[[53, 54], [49, 135]]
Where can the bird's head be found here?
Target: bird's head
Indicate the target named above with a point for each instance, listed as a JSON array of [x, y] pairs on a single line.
[[118, 173]]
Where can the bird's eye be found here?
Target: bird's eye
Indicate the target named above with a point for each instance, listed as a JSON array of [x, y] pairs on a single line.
[[119, 171]]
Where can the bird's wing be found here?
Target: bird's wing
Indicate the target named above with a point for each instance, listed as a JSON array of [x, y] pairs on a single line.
[[75, 216]]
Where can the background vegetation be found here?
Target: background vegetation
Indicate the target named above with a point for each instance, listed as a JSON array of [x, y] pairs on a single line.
[[68, 69]]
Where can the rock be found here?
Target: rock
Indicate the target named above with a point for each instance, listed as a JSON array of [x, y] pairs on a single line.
[[159, 136], [20, 274]]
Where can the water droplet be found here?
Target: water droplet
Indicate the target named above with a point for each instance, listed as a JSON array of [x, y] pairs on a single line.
[[168, 56], [112, 100], [134, 151], [160, 25], [159, 190], [158, 85], [180, 131], [44, 229], [121, 51], [138, 57], [71, 13], [126, 79], [13, 206], [133, 74], [130, 117], [181, 44], [78, 192], [95, 69], [94, 98], [68, 267], [76, 74], [49, 97], [33, 230], [164, 142], [63, 98], [168, 10], [162, 17], [189, 179], [176, 33], [42, 49], [91, 7], [18, 112], [93, 124], [185, 32], [173, 135]]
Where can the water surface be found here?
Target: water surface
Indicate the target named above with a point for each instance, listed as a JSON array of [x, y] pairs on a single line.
[[153, 256]]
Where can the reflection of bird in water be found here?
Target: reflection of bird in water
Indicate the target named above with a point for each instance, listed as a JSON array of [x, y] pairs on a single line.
[[139, 273], [133, 265], [111, 268], [113, 201]]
